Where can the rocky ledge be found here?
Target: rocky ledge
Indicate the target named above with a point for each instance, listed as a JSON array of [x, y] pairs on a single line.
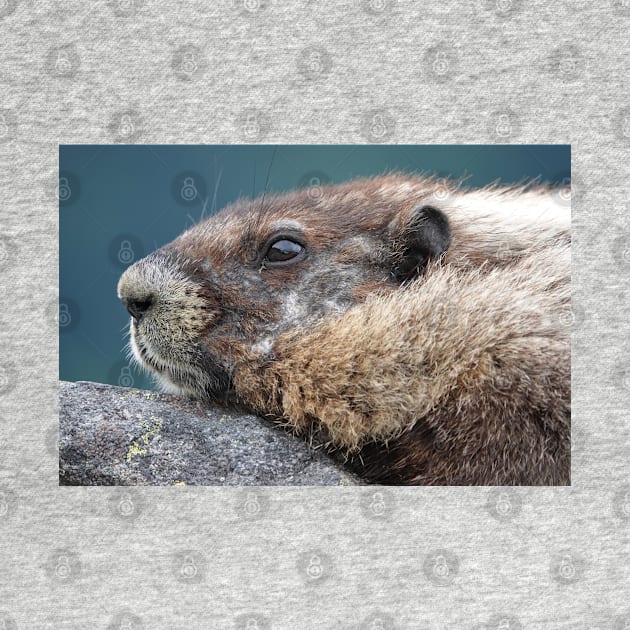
[[117, 436]]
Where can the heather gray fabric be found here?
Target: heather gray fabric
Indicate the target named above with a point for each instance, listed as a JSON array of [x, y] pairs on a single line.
[[261, 70]]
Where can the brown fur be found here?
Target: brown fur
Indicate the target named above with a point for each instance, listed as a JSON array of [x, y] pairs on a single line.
[[457, 375]]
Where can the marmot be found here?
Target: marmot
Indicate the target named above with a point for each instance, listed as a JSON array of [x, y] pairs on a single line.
[[421, 327]]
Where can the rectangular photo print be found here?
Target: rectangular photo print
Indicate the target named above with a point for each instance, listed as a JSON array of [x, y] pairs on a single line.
[[316, 315]]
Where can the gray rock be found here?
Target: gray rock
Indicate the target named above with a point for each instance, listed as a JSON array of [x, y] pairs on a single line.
[[117, 436]]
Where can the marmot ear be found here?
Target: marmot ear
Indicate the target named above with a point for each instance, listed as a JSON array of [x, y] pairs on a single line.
[[426, 235]]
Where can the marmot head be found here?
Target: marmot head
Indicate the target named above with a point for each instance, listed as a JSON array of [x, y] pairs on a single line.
[[222, 292]]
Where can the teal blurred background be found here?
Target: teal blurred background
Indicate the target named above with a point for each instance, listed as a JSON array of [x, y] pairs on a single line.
[[118, 203]]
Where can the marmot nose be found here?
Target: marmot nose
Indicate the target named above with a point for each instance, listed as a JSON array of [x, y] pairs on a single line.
[[137, 307]]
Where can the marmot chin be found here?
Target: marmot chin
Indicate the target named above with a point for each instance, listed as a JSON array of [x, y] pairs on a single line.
[[420, 327]]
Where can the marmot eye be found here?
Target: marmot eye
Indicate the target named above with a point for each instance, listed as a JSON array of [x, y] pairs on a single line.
[[284, 250]]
